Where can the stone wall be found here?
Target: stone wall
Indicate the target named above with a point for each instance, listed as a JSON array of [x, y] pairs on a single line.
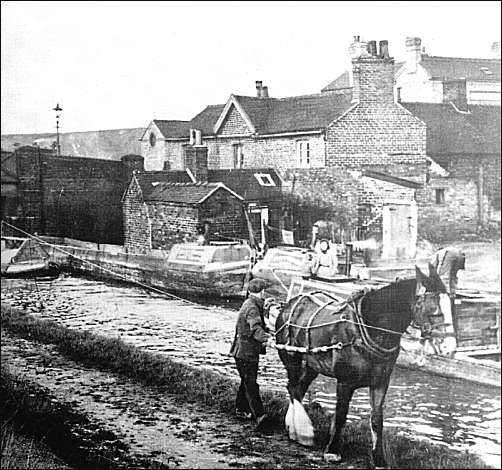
[[465, 209], [76, 197]]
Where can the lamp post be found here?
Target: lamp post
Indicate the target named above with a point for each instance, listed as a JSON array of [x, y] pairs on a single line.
[[58, 110]]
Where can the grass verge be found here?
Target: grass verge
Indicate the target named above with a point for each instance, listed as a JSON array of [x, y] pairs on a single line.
[[31, 412], [217, 391]]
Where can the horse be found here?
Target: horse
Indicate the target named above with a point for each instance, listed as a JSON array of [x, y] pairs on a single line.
[[356, 341]]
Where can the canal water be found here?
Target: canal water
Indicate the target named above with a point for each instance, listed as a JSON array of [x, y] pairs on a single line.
[[455, 413]]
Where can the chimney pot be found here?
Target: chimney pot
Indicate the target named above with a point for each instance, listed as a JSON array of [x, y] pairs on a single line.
[[192, 136], [198, 137], [372, 48], [384, 49], [357, 38], [264, 92], [259, 86]]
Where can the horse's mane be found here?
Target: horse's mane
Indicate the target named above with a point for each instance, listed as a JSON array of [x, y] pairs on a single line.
[[397, 297]]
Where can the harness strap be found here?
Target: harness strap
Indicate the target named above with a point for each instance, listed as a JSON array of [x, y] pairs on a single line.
[[311, 319], [366, 342]]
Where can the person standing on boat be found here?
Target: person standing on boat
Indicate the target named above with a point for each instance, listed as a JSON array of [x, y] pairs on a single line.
[[447, 262], [251, 338], [326, 261]]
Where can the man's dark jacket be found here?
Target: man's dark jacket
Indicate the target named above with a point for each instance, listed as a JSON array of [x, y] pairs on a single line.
[[250, 331]]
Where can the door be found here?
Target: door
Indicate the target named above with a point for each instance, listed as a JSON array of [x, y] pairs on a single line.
[[259, 219], [399, 227]]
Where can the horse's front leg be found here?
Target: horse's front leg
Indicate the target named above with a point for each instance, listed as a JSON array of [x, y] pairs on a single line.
[[377, 398], [344, 394]]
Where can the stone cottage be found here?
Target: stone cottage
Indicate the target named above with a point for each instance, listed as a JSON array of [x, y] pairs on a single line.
[[170, 206]]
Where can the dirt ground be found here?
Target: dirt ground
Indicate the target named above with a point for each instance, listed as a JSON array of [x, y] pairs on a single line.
[[152, 425]]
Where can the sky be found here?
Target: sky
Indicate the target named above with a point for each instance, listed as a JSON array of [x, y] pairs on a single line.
[[114, 65]]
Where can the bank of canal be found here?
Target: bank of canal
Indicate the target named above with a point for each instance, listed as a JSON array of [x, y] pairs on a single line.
[[455, 413]]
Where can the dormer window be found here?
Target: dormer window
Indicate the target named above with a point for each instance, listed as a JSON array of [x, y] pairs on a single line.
[[152, 139], [264, 179]]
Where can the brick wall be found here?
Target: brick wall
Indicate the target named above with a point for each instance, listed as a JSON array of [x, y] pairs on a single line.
[[377, 134], [137, 234], [76, 197], [278, 152]]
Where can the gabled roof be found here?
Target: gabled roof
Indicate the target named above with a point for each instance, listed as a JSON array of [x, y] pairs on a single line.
[[170, 129], [455, 68], [184, 193], [241, 181], [275, 115], [245, 183], [343, 81], [453, 132]]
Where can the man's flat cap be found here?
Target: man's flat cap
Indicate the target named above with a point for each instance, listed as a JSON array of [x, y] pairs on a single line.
[[256, 285]]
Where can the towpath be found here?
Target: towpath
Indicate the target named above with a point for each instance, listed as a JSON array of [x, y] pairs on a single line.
[[151, 423]]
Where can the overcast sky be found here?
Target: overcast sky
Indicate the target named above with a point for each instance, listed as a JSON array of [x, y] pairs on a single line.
[[117, 65]]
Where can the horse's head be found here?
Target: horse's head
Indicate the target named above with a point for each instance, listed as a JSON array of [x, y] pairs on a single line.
[[431, 298]]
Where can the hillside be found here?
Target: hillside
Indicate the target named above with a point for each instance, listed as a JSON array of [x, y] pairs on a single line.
[[107, 144]]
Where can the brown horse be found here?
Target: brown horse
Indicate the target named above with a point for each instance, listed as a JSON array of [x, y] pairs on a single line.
[[357, 342]]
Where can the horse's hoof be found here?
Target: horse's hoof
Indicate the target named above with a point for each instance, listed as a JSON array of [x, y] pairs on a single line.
[[332, 457]]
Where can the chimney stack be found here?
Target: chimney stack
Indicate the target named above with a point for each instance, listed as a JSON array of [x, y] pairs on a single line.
[[192, 136], [496, 50], [196, 157], [372, 72], [259, 86], [413, 53], [264, 92]]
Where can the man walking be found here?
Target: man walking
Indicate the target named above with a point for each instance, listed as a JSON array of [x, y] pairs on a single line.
[[251, 337]]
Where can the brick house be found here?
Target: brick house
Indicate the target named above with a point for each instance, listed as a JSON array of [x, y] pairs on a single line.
[[321, 130], [307, 135]]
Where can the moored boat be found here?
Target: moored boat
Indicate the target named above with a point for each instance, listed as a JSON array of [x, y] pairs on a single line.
[[26, 259], [469, 362]]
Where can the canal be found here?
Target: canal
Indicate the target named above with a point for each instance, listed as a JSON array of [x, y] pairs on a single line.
[[455, 413]]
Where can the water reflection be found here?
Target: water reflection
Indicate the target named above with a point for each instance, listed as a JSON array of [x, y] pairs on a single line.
[[449, 411]]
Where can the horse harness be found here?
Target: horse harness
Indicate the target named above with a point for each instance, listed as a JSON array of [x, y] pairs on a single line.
[[363, 340]]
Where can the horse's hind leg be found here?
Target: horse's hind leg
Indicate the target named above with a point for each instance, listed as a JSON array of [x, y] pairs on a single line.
[[344, 394]]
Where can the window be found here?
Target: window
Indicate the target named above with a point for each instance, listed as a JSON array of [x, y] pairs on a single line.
[[303, 153], [152, 139], [440, 196], [238, 156], [264, 179]]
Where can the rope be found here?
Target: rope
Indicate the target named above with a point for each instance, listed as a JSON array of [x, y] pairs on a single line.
[[145, 286]]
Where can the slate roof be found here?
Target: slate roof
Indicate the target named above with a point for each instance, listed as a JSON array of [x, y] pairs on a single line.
[[276, 115], [241, 181], [244, 182], [171, 129], [452, 132], [183, 193], [453, 68]]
